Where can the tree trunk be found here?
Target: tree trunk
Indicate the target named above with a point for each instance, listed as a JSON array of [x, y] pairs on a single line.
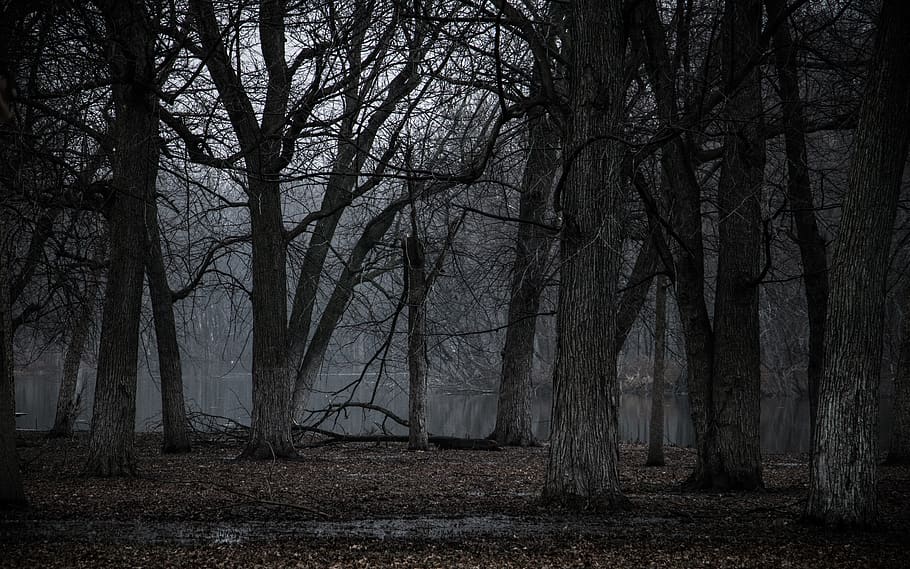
[[334, 203], [359, 129], [173, 409], [812, 248], [899, 449], [416, 278], [314, 352], [737, 350], [270, 429], [656, 431], [67, 406], [689, 257], [842, 485], [513, 411], [11, 490], [135, 168], [687, 247], [584, 434], [270, 432]]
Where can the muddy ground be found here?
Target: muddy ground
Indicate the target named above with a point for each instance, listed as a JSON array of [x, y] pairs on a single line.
[[369, 505]]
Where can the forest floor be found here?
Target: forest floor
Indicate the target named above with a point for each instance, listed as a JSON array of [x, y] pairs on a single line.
[[369, 505]]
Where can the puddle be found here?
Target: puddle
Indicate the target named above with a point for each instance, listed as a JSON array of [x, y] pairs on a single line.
[[209, 533]]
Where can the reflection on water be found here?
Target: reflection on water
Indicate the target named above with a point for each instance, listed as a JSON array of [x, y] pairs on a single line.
[[784, 421]]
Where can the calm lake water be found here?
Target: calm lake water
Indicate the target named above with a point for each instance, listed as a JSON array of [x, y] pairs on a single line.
[[784, 421]]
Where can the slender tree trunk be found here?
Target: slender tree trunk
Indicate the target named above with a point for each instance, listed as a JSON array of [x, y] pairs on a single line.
[[355, 148], [842, 481], [899, 449], [11, 490], [67, 407], [656, 431], [737, 364], [532, 251], [584, 438], [173, 409], [687, 248], [812, 248], [337, 196], [647, 263], [415, 273], [688, 254], [135, 168], [314, 352]]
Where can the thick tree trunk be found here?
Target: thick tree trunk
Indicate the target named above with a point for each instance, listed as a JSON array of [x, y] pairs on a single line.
[[135, 168], [173, 409], [656, 430], [584, 437], [270, 429], [416, 276], [532, 251], [736, 382], [812, 248], [11, 490], [842, 485], [67, 407], [899, 449], [270, 432]]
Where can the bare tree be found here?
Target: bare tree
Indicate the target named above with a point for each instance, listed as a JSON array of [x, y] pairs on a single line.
[[736, 375], [899, 448], [11, 490], [583, 467], [812, 245], [416, 279], [173, 409], [134, 168], [842, 482], [67, 395], [658, 386], [529, 274]]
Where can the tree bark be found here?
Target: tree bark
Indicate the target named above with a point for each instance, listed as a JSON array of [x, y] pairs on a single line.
[[812, 247], [842, 481], [727, 459], [899, 448], [11, 490], [582, 470], [736, 381], [416, 278], [687, 247], [270, 433], [173, 410], [270, 429], [656, 430], [532, 251], [67, 403], [135, 168]]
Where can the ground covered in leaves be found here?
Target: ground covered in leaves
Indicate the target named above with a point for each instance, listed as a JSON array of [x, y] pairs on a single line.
[[368, 505]]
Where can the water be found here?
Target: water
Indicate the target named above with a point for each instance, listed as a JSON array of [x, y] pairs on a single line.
[[784, 421], [416, 528]]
